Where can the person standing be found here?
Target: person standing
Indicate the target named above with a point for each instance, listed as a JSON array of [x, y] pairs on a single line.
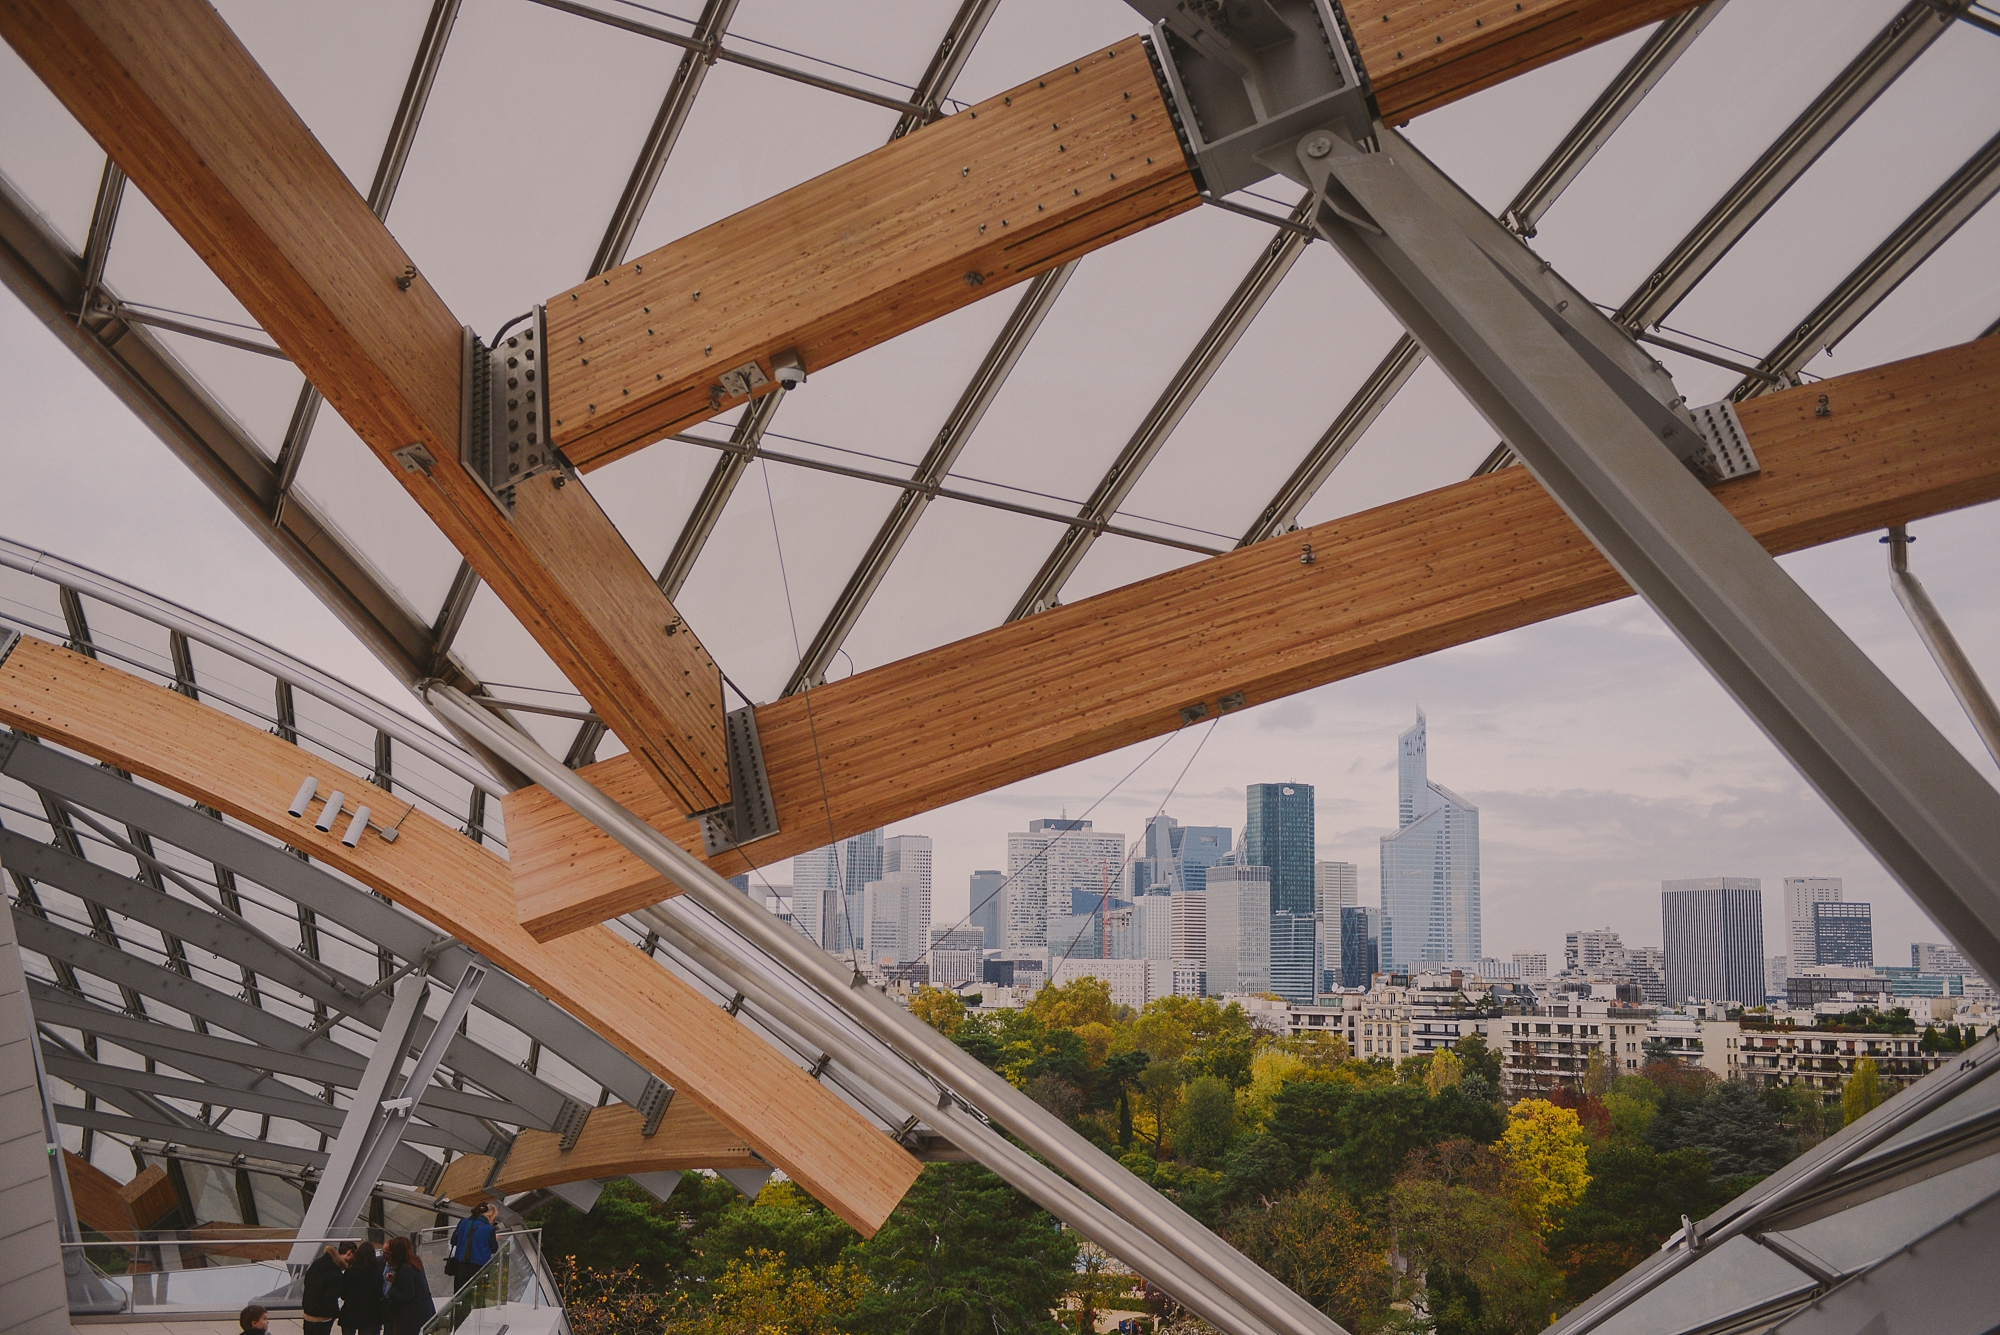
[[361, 1291], [406, 1289], [473, 1243], [319, 1304]]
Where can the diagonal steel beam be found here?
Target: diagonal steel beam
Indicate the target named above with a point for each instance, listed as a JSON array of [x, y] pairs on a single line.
[[947, 63], [324, 894], [1933, 223], [1206, 358], [388, 176], [103, 223], [38, 267], [957, 432], [1865, 78], [171, 1133], [1620, 98]]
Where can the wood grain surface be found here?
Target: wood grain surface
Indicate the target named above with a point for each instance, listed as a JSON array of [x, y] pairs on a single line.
[[1902, 441]]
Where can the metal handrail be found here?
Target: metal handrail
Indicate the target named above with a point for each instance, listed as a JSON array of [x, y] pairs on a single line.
[[378, 714]]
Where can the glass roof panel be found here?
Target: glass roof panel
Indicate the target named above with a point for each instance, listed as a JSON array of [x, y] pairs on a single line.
[[892, 40], [1113, 562], [649, 493], [1952, 299], [1872, 1229], [1872, 179], [1712, 115], [502, 652], [533, 126], [1127, 319], [1318, 338], [346, 480], [1429, 436], [755, 611], [46, 154], [330, 63], [992, 555], [1025, 38], [728, 156]]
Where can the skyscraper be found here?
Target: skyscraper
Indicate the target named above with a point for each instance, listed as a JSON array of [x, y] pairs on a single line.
[[1278, 834], [816, 887], [990, 892], [1589, 950], [1196, 849], [896, 906], [1336, 886], [1239, 930], [1801, 893], [1360, 946], [1843, 934], [1047, 864], [1430, 867], [1187, 925], [1714, 933]]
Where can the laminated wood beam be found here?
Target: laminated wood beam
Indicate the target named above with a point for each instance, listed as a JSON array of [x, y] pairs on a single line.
[[1423, 54], [746, 1086], [179, 104], [933, 221], [1491, 554], [610, 1145]]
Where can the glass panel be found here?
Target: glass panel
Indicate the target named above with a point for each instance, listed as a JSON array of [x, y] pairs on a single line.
[[512, 1293], [1429, 436], [1736, 1277], [1871, 1230], [45, 154]]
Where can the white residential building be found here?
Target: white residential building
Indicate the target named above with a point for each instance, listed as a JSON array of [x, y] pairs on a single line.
[[1133, 982], [1531, 964], [956, 956], [1336, 886]]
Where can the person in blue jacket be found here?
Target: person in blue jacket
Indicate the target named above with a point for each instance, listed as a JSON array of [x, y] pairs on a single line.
[[473, 1243], [406, 1290]]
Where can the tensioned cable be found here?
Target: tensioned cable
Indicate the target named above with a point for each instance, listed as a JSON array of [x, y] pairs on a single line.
[[770, 46], [819, 763]]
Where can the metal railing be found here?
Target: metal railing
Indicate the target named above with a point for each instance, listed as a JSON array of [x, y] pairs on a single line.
[[513, 1292]]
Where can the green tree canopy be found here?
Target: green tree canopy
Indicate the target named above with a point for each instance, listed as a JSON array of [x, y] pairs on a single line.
[[1634, 1202]]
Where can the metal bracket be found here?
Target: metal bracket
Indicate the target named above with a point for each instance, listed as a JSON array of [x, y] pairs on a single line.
[[497, 1149], [9, 637], [653, 1103], [1728, 453], [1249, 75], [428, 1177], [569, 1123], [503, 411], [751, 814]]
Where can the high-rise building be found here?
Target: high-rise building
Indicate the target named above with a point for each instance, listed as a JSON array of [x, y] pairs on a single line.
[[1647, 966], [1239, 929], [1047, 864], [1714, 933], [1188, 925], [1360, 946], [1801, 893], [1931, 957], [1150, 936], [1336, 886], [816, 890], [1430, 867], [955, 956], [1843, 934], [1278, 834], [1774, 976], [897, 904], [1531, 964], [989, 906], [1196, 849]]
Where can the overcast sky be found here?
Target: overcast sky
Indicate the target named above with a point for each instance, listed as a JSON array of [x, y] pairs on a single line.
[[1601, 755]]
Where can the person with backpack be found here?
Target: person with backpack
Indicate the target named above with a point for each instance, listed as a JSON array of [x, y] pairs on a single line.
[[473, 1244], [406, 1289], [361, 1310]]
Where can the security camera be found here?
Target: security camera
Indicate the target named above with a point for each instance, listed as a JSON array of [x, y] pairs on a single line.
[[791, 372]]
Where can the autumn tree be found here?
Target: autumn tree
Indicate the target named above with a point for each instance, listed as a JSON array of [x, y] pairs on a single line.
[[1545, 1147], [1862, 1093], [1319, 1245], [1444, 1072], [1205, 1124], [942, 1010], [1457, 1211], [760, 1293]]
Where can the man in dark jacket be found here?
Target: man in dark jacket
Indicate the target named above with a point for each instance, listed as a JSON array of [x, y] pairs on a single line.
[[320, 1303], [473, 1243]]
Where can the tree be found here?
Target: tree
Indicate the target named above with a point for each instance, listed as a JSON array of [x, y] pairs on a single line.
[[1458, 1219], [941, 1010], [1083, 1000], [784, 1222], [1729, 1123], [1159, 1094], [1444, 1072], [629, 1231], [1634, 1202], [1596, 1075], [963, 1253], [1862, 1092], [1319, 1245], [1545, 1147], [1655, 1052], [761, 1293], [1206, 1122], [1479, 1059]]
